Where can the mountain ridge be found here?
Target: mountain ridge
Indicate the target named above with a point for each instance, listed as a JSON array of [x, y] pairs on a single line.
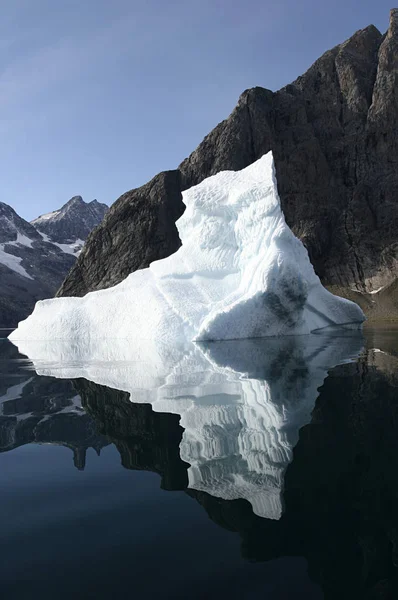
[[33, 264], [74, 220], [333, 135]]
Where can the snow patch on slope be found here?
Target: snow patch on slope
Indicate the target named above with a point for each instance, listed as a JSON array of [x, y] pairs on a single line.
[[46, 217], [13, 262], [240, 273], [21, 239], [73, 248], [10, 260]]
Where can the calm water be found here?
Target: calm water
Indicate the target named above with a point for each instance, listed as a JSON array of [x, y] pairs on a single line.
[[209, 484]]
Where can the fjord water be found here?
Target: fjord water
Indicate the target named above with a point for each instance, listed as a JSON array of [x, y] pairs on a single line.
[[267, 488]]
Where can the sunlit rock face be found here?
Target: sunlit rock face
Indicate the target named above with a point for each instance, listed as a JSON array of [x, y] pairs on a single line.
[[240, 273], [241, 403]]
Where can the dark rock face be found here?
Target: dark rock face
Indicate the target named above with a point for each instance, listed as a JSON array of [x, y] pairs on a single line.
[[74, 221], [146, 440], [138, 229], [334, 138], [32, 267]]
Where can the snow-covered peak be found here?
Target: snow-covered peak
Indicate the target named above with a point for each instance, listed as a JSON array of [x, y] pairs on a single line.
[[47, 217], [21, 242], [72, 222], [74, 201]]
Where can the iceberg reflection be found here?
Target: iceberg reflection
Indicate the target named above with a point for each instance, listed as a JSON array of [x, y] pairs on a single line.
[[241, 403]]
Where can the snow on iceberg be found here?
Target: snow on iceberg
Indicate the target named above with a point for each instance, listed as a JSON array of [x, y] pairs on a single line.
[[240, 273], [241, 402]]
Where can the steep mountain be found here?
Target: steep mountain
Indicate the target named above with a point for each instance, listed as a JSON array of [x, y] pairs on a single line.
[[334, 137], [72, 223], [32, 265]]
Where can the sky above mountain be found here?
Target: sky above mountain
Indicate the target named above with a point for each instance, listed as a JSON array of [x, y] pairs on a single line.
[[98, 96]]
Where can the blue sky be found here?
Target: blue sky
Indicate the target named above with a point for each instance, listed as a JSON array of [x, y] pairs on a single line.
[[97, 96]]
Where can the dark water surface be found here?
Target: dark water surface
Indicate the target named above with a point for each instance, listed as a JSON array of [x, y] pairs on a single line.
[[102, 497]]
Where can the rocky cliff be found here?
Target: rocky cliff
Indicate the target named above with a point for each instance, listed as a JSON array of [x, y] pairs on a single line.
[[334, 137]]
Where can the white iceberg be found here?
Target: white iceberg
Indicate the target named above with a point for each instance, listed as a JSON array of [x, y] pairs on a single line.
[[240, 273], [241, 403]]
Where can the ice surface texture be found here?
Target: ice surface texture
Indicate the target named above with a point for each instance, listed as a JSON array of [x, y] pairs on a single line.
[[240, 273], [241, 403]]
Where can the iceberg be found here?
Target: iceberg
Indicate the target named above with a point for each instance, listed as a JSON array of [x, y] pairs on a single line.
[[241, 403], [240, 273]]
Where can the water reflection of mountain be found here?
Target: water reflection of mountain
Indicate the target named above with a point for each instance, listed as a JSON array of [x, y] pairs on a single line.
[[241, 404], [36, 409], [146, 440], [340, 488]]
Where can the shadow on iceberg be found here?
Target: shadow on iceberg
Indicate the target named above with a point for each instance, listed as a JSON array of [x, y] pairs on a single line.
[[241, 403]]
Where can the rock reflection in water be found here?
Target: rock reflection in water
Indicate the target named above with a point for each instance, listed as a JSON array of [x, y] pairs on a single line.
[[241, 403], [44, 410], [341, 487]]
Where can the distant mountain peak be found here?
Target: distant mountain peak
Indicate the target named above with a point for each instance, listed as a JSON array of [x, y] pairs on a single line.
[[75, 200], [35, 257], [73, 221]]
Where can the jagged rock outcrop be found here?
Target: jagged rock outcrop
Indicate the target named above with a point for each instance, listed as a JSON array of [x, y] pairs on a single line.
[[139, 230], [334, 137]]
